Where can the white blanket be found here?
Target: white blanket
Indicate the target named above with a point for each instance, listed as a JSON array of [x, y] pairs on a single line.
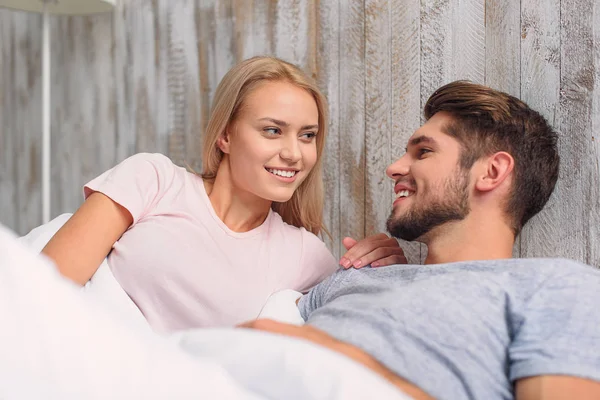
[[58, 342]]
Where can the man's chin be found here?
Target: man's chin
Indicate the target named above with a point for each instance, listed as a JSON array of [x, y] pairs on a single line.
[[405, 230]]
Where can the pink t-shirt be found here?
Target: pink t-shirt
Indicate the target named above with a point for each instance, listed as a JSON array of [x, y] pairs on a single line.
[[183, 266]]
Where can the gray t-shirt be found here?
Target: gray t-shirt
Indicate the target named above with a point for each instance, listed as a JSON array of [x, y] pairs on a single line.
[[467, 330]]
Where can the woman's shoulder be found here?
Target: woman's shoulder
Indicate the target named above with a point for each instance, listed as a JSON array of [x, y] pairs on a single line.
[[156, 159], [155, 165], [309, 244]]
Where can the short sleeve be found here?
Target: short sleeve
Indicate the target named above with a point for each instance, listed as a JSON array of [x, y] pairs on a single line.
[[560, 329], [136, 184], [317, 262], [318, 296]]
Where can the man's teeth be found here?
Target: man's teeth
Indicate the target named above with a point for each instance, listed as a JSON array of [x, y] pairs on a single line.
[[403, 193], [285, 174]]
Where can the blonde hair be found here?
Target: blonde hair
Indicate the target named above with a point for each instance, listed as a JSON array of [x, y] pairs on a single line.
[[305, 208]]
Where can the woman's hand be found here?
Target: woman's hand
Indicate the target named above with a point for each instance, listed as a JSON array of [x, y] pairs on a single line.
[[378, 250]]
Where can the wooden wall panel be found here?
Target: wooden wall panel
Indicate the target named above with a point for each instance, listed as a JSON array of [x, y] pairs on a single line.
[[83, 106], [140, 77], [187, 109], [26, 119], [540, 88], [503, 45], [292, 31], [378, 124], [254, 26], [452, 43], [352, 118], [8, 155], [143, 78], [593, 245], [579, 180], [328, 77]]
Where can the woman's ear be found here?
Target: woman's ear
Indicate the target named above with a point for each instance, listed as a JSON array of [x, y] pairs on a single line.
[[223, 141], [497, 169]]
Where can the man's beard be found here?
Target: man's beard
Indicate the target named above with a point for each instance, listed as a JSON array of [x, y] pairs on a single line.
[[418, 221]]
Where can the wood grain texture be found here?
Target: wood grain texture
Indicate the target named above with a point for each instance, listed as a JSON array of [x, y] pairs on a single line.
[[292, 31], [452, 43], [27, 119], [594, 168], [378, 124], [580, 179], [328, 78], [468, 36], [540, 87], [503, 45], [187, 112], [140, 78], [221, 56], [503, 53], [8, 201], [352, 118], [254, 27], [82, 108], [436, 46], [405, 92]]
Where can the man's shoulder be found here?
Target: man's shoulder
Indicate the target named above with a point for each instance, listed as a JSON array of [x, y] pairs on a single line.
[[514, 272]]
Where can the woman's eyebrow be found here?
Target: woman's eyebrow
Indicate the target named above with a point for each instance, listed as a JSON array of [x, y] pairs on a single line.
[[285, 124]]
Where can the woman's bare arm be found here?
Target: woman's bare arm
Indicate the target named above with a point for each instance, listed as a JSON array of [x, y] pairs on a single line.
[[79, 247]]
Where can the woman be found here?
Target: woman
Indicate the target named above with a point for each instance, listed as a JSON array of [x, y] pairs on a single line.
[[196, 251]]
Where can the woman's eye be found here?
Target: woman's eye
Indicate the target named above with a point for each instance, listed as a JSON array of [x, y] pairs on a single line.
[[272, 131], [308, 135]]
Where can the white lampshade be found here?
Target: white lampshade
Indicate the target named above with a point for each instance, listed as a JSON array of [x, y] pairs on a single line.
[[68, 7]]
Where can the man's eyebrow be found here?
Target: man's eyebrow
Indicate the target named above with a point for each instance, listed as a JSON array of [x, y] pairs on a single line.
[[285, 124], [420, 139]]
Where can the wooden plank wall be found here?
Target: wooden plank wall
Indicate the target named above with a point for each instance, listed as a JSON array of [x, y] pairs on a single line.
[[142, 79]]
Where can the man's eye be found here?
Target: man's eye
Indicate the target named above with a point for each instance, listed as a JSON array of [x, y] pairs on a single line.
[[423, 151]]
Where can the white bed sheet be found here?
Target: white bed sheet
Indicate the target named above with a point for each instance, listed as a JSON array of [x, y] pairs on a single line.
[[67, 343]]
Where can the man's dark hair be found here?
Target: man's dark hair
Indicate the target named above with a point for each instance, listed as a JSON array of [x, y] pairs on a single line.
[[486, 121]]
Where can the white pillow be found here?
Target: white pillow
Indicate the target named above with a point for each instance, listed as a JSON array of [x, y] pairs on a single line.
[[102, 286], [281, 306]]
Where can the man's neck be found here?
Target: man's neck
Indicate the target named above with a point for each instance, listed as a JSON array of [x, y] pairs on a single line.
[[468, 240]]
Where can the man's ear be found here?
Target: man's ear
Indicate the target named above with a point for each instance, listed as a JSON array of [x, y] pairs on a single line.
[[223, 141], [496, 170]]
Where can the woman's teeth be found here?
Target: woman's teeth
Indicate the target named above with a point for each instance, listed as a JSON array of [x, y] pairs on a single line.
[[285, 174]]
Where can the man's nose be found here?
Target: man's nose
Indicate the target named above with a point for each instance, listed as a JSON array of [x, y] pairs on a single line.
[[400, 167]]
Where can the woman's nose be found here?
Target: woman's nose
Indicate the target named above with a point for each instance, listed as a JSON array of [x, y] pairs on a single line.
[[291, 150]]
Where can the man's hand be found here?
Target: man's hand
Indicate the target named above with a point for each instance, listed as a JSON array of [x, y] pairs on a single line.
[[378, 250], [321, 338]]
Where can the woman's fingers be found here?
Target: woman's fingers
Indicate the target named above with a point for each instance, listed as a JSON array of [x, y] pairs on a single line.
[[391, 260], [380, 256], [358, 250]]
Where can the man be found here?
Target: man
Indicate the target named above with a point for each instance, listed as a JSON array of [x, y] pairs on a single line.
[[472, 323]]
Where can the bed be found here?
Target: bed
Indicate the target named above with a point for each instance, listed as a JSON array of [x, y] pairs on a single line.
[[60, 341]]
